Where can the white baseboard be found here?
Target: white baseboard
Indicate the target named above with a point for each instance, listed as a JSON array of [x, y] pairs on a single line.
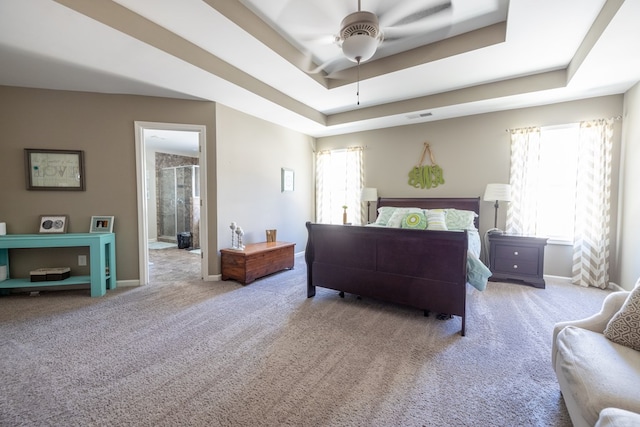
[[613, 286], [127, 283], [562, 279]]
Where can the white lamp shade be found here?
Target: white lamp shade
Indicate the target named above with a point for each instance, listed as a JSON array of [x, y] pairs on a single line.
[[359, 47], [369, 194], [501, 192]]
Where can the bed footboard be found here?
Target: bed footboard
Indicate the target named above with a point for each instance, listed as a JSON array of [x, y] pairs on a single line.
[[418, 268]]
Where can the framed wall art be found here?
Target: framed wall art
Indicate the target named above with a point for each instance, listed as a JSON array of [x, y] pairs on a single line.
[[54, 169], [287, 179], [101, 224], [52, 224]]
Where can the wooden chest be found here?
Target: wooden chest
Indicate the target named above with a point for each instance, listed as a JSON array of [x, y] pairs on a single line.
[[256, 260]]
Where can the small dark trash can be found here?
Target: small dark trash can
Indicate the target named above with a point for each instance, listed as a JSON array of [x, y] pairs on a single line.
[[184, 240]]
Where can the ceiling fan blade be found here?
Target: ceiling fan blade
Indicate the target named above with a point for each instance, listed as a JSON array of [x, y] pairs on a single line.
[[343, 74], [321, 67], [422, 14], [406, 13], [313, 14], [400, 34], [410, 30], [316, 39]]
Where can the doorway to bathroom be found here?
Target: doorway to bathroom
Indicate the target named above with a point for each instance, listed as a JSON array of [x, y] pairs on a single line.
[[172, 214], [178, 203]]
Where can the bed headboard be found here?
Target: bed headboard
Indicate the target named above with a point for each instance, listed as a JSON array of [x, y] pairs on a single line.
[[462, 203]]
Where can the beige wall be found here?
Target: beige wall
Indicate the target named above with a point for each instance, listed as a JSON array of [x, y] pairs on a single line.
[[245, 155], [472, 151], [251, 153], [103, 126], [629, 236]]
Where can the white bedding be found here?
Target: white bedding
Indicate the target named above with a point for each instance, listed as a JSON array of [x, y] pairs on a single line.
[[477, 273]]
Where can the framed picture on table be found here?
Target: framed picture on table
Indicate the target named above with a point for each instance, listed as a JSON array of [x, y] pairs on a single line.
[[101, 224], [51, 224]]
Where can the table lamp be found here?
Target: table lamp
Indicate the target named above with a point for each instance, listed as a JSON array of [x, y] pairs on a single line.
[[369, 195], [497, 192]]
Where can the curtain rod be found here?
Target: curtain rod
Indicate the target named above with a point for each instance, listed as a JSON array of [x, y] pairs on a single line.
[[616, 118], [355, 147]]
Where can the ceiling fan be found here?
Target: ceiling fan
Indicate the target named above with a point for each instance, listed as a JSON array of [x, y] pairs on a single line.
[[362, 32]]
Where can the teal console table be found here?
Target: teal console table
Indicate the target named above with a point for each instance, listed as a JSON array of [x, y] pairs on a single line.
[[102, 258]]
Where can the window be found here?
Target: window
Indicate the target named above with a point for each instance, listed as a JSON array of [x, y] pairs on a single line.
[[543, 180], [557, 182], [339, 181], [561, 186]]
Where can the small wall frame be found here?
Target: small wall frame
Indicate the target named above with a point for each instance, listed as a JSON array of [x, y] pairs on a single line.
[[101, 224], [287, 178], [61, 170]]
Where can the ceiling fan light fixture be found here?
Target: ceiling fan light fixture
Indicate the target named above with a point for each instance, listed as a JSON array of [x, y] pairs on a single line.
[[359, 47], [360, 35]]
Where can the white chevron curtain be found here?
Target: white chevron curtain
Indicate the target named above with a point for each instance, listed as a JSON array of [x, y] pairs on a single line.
[[593, 204], [525, 168], [323, 194], [339, 182]]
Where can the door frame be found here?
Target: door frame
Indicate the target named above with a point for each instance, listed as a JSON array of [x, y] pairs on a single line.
[[141, 162]]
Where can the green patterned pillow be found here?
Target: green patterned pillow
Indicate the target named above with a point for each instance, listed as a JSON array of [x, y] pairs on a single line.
[[415, 220], [457, 219], [624, 326], [435, 219], [396, 219], [384, 214], [392, 217]]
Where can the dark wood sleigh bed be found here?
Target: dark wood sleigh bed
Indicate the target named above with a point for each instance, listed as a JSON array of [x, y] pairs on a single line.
[[425, 269]]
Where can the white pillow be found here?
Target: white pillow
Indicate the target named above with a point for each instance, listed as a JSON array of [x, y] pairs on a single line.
[[458, 219], [396, 219], [384, 213]]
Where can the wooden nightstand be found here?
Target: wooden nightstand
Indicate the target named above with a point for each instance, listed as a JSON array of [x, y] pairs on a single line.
[[516, 257]]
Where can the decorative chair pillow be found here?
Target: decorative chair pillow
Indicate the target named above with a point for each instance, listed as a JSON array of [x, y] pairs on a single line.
[[624, 326], [395, 221], [415, 220], [435, 219]]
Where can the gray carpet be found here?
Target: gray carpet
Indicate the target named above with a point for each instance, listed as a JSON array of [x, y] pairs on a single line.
[[221, 354]]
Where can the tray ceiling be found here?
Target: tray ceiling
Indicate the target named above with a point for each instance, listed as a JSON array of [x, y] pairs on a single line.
[[476, 56]]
